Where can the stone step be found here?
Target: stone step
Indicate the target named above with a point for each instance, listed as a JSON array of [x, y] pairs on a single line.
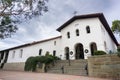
[[68, 67], [71, 68], [77, 67], [83, 65], [77, 73], [80, 65], [65, 68], [67, 64], [69, 71], [72, 61], [54, 71], [71, 65]]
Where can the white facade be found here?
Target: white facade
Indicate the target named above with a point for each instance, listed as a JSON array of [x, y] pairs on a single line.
[[98, 34], [33, 50]]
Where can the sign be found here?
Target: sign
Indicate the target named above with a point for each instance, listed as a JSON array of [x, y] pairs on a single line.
[[86, 50], [71, 53]]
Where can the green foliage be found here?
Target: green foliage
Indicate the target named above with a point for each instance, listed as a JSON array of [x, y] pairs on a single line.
[[7, 2], [6, 27], [116, 26], [30, 64], [56, 58], [47, 53], [118, 48], [118, 53], [99, 53], [14, 12]]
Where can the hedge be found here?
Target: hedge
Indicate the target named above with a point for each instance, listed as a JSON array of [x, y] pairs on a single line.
[[31, 62], [99, 53]]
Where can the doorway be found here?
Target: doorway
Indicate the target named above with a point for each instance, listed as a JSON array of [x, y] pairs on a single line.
[[79, 51], [67, 53], [93, 48]]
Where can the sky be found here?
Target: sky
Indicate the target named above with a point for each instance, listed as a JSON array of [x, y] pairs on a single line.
[[59, 12]]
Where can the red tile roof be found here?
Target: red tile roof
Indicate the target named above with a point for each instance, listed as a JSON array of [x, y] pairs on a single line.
[[33, 43]]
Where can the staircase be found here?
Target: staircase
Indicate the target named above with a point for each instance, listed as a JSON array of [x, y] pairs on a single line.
[[76, 67]]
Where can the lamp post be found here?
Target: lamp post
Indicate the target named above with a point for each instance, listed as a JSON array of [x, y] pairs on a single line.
[[69, 62]]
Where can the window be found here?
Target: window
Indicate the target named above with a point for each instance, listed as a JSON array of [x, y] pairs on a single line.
[[40, 51], [54, 43], [13, 55], [105, 45], [68, 34], [77, 32], [54, 53], [88, 29], [21, 53], [67, 53]]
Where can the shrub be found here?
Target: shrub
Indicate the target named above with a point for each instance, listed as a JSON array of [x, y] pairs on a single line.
[[99, 53], [47, 53], [49, 59], [118, 54], [31, 62], [118, 49], [56, 58]]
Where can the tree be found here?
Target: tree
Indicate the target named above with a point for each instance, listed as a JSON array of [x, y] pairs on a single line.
[[16, 11], [116, 26]]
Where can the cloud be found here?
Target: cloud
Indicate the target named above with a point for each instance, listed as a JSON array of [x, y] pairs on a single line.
[[10, 42], [59, 12], [3, 45], [113, 12]]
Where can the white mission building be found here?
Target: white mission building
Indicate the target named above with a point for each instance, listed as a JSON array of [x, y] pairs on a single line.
[[80, 37]]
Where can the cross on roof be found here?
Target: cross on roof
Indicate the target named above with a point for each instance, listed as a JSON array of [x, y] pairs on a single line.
[[75, 12]]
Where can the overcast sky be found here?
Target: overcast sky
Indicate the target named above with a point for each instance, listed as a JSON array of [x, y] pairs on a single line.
[[59, 12]]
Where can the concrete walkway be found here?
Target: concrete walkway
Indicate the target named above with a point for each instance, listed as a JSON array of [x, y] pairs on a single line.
[[15, 75]]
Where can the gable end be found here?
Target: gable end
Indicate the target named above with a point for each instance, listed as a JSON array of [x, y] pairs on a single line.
[[96, 15]]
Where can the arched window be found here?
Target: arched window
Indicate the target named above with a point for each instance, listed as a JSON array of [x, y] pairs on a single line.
[[88, 29], [40, 51], [54, 43], [54, 53], [77, 32], [21, 53], [68, 34], [105, 45], [13, 55]]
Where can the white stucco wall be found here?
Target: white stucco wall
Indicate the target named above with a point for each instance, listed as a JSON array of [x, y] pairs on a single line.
[[85, 39], [33, 50], [110, 45]]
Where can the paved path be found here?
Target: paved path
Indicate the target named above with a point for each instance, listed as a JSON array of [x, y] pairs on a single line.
[[14, 75]]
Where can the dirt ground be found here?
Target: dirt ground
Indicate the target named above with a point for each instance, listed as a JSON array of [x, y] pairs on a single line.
[[16, 75]]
